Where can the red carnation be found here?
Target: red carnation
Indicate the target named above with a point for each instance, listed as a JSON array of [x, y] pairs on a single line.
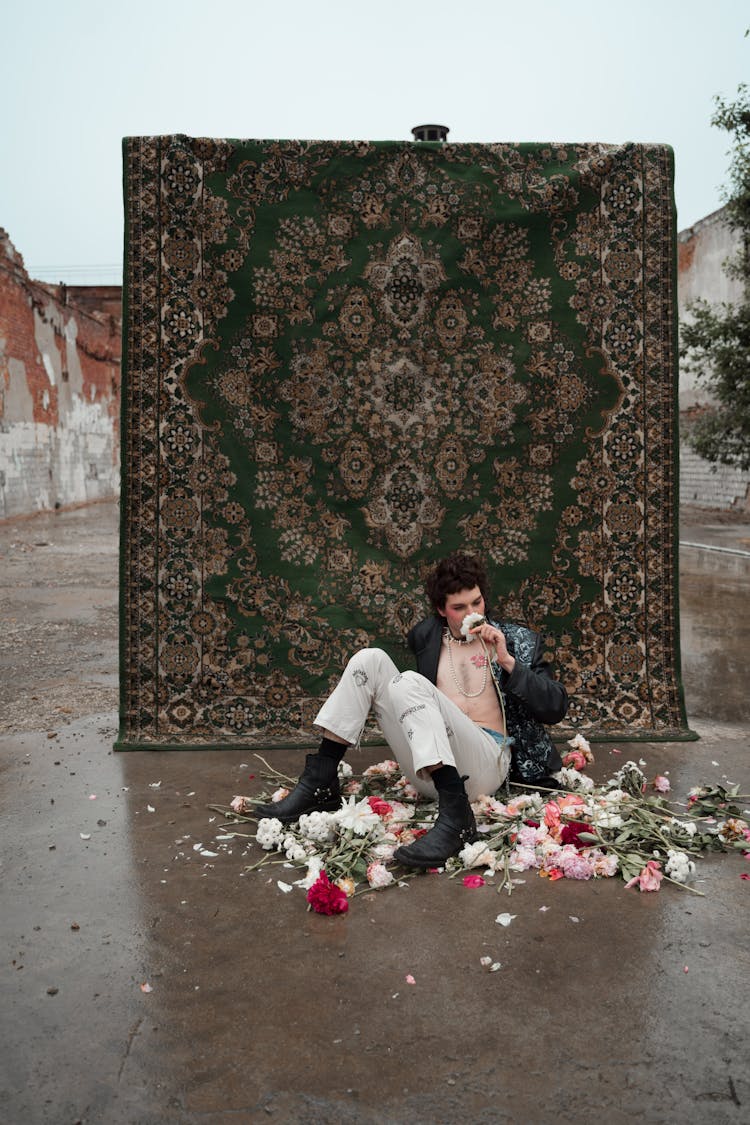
[[379, 806], [326, 898]]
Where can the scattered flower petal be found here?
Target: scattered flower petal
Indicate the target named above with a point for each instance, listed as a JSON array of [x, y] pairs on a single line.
[[85, 835], [505, 919], [473, 881], [146, 987], [410, 979], [285, 887], [573, 918], [150, 808]]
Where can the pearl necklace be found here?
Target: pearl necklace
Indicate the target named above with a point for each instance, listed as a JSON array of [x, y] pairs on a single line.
[[450, 640]]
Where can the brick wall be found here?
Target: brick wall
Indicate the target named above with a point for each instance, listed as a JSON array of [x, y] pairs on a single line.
[[59, 394]]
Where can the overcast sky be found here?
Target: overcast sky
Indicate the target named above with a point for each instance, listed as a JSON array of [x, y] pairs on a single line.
[[78, 75]]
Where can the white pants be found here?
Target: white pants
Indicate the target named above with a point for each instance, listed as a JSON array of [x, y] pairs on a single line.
[[421, 725]]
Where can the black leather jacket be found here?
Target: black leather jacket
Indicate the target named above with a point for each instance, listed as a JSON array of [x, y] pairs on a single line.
[[530, 693]]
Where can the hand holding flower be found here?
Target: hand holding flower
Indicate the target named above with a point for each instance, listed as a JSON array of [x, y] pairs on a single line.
[[474, 625]]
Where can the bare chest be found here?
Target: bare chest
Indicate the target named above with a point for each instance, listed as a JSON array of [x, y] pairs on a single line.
[[463, 669]]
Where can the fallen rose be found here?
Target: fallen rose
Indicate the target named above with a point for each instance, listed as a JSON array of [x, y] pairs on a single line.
[[661, 783], [575, 759], [379, 806]]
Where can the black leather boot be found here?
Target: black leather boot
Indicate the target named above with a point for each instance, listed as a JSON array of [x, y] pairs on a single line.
[[454, 828], [316, 791]]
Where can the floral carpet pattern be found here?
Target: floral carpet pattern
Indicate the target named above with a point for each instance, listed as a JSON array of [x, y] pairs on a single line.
[[342, 361]]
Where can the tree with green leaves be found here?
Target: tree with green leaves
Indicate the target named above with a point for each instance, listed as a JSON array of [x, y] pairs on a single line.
[[715, 343]]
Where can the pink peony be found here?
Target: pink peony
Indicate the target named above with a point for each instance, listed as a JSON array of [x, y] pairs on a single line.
[[574, 865], [529, 836], [649, 878], [522, 858], [279, 795], [605, 863], [326, 898], [382, 769], [661, 783]]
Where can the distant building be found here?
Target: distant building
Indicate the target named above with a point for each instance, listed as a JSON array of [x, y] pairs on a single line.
[[59, 390], [702, 251]]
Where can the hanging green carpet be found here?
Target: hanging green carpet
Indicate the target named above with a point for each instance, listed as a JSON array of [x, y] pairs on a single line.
[[343, 361]]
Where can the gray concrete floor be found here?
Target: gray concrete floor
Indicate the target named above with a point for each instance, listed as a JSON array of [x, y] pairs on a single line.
[[260, 1010]]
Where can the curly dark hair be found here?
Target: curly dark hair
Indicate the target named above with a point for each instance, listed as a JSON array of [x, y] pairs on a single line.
[[456, 572]]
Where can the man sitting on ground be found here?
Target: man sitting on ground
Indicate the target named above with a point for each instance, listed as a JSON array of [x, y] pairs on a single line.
[[445, 723]]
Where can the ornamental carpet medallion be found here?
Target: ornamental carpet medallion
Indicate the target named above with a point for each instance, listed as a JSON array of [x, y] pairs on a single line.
[[343, 361]]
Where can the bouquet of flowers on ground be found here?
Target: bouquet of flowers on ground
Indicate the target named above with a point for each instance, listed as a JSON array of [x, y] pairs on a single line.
[[581, 831]]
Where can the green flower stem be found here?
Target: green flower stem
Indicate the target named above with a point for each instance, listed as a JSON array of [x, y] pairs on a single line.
[[230, 816], [275, 773]]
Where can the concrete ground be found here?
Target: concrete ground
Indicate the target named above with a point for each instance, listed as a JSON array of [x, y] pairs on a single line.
[[610, 1005]]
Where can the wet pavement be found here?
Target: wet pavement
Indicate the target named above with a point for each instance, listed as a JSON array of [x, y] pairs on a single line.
[[259, 1010]]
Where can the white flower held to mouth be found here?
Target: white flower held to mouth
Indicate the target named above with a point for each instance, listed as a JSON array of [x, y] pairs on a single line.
[[470, 622]]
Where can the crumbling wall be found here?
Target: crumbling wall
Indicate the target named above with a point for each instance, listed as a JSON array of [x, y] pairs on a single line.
[[59, 395]]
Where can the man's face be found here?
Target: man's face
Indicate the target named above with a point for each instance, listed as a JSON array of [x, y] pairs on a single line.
[[456, 607]]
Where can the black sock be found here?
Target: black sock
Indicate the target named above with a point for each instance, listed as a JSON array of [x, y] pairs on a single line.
[[332, 749], [448, 778]]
